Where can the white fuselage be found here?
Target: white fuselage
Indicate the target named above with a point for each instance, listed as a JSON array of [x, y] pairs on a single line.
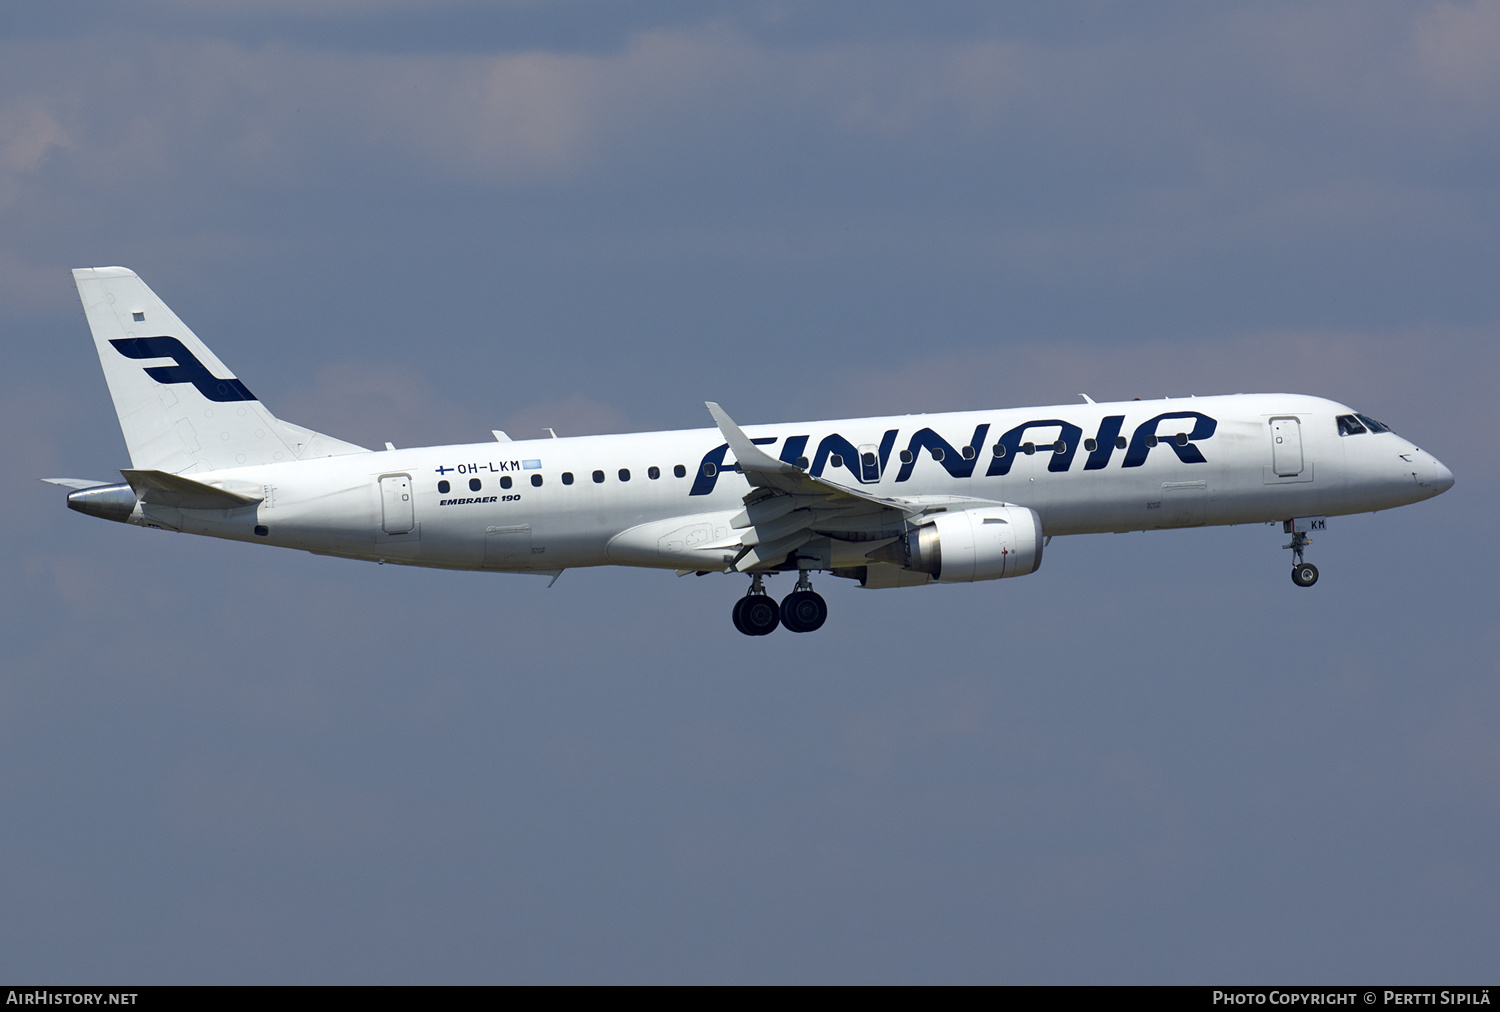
[[1239, 459]]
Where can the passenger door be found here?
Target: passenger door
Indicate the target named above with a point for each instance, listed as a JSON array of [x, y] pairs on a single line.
[[1286, 446]]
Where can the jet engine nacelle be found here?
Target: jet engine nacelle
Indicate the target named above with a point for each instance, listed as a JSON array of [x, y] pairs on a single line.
[[988, 543]]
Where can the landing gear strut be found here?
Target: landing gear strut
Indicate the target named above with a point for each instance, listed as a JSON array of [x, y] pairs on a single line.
[[802, 610], [1304, 574], [756, 613]]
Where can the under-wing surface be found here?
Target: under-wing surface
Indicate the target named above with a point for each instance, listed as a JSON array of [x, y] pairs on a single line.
[[899, 501]]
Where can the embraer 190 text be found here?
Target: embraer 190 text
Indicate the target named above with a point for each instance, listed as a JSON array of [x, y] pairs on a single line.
[[896, 501]]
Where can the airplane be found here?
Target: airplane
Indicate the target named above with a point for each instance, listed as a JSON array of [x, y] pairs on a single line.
[[898, 501]]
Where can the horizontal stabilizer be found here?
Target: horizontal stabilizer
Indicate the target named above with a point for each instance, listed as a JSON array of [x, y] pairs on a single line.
[[76, 483], [162, 488]]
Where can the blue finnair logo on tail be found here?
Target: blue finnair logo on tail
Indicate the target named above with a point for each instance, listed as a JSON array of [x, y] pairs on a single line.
[[187, 370]]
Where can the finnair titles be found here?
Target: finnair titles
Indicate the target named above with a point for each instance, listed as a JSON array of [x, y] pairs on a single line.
[[898, 501]]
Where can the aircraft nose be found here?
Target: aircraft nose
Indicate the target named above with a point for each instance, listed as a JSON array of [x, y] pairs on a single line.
[[1439, 477], [1428, 472]]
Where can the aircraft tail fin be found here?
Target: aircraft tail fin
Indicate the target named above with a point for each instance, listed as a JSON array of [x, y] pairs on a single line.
[[180, 408]]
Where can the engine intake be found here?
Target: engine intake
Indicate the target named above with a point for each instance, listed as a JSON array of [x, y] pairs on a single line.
[[988, 543]]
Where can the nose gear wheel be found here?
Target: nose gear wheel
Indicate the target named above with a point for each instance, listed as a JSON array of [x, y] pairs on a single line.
[[1304, 574]]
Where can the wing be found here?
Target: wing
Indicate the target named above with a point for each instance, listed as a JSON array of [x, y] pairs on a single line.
[[787, 507]]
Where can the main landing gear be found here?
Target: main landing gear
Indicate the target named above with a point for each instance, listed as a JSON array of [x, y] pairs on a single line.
[[756, 614], [802, 610], [1304, 574]]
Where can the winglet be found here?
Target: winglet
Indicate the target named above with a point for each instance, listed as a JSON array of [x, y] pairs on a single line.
[[749, 456]]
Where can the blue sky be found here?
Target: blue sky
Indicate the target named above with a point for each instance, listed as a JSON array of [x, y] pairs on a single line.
[[1155, 760]]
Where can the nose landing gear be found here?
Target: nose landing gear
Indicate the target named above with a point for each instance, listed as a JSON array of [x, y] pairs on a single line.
[[756, 614], [1304, 574]]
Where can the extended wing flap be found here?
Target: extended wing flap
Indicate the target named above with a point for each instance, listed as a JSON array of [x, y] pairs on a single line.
[[761, 556]]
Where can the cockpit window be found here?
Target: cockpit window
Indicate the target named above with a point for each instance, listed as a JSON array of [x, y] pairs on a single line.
[[1349, 426], [1372, 424]]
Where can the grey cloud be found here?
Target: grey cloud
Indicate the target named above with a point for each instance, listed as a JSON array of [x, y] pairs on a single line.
[[28, 134], [526, 115], [1278, 138], [1455, 47]]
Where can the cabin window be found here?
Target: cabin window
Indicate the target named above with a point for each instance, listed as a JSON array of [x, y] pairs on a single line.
[[536, 480], [937, 453], [1028, 448], [567, 477], [653, 473], [679, 471], [598, 477], [906, 457], [802, 462], [1151, 439], [624, 474], [968, 453], [1090, 444], [867, 459], [835, 460], [1061, 446], [1350, 426], [443, 487], [1182, 439], [999, 449], [709, 469], [475, 484], [505, 481], [1119, 442]]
